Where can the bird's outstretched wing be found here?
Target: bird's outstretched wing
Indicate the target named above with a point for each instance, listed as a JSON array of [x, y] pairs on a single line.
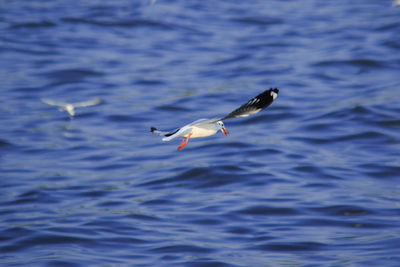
[[254, 105], [92, 102], [53, 103]]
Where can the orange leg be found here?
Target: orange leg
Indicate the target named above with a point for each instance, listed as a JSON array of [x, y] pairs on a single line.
[[184, 142]]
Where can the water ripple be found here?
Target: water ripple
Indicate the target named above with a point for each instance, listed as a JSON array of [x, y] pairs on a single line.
[[120, 23], [310, 181], [263, 210]]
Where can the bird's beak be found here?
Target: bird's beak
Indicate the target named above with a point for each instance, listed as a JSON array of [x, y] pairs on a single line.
[[224, 131]]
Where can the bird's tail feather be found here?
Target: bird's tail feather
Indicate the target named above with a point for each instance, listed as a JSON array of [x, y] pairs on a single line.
[[155, 131]]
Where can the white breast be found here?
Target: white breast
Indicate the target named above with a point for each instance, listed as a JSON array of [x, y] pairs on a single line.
[[203, 130]]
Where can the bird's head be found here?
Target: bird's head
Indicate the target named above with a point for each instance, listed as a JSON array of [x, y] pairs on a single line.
[[220, 126]]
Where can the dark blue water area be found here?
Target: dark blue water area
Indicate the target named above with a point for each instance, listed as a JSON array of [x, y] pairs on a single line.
[[313, 180]]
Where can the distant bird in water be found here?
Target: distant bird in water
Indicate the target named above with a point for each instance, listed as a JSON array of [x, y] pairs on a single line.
[[208, 127], [70, 107], [396, 3]]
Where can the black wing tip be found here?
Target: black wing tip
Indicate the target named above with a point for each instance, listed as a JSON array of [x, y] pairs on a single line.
[[255, 104], [275, 90], [265, 99], [153, 129], [267, 95]]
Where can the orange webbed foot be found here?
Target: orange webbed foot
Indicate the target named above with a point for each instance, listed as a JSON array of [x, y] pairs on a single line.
[[184, 142]]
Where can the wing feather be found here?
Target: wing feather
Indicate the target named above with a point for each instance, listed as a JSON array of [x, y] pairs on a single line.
[[53, 103], [89, 103], [254, 105]]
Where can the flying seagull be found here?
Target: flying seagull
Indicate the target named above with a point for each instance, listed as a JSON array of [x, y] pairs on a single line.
[[70, 107], [207, 127]]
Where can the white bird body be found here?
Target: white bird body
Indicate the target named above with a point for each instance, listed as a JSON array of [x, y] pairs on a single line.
[[70, 107], [207, 127], [204, 130], [198, 129]]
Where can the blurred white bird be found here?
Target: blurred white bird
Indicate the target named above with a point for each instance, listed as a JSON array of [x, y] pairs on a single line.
[[396, 3], [70, 107]]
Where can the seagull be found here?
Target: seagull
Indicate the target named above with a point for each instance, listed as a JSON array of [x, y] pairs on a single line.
[[396, 3], [207, 127], [70, 107]]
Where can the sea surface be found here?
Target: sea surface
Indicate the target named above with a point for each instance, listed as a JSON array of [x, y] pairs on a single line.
[[313, 180]]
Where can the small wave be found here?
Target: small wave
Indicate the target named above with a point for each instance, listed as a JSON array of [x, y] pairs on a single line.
[[120, 23], [291, 246], [33, 24], [94, 193], [267, 211], [316, 170], [392, 44], [342, 210], [208, 263], [75, 73], [121, 118], [4, 144], [269, 118], [370, 63], [172, 107], [224, 145], [340, 222], [149, 82], [380, 171], [392, 123], [205, 222], [359, 137], [158, 202], [264, 151], [201, 178], [114, 166], [259, 21], [65, 76], [33, 240], [231, 59], [33, 196], [241, 230], [182, 249]]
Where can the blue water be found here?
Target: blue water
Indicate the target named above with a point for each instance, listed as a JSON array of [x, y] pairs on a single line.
[[313, 180]]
